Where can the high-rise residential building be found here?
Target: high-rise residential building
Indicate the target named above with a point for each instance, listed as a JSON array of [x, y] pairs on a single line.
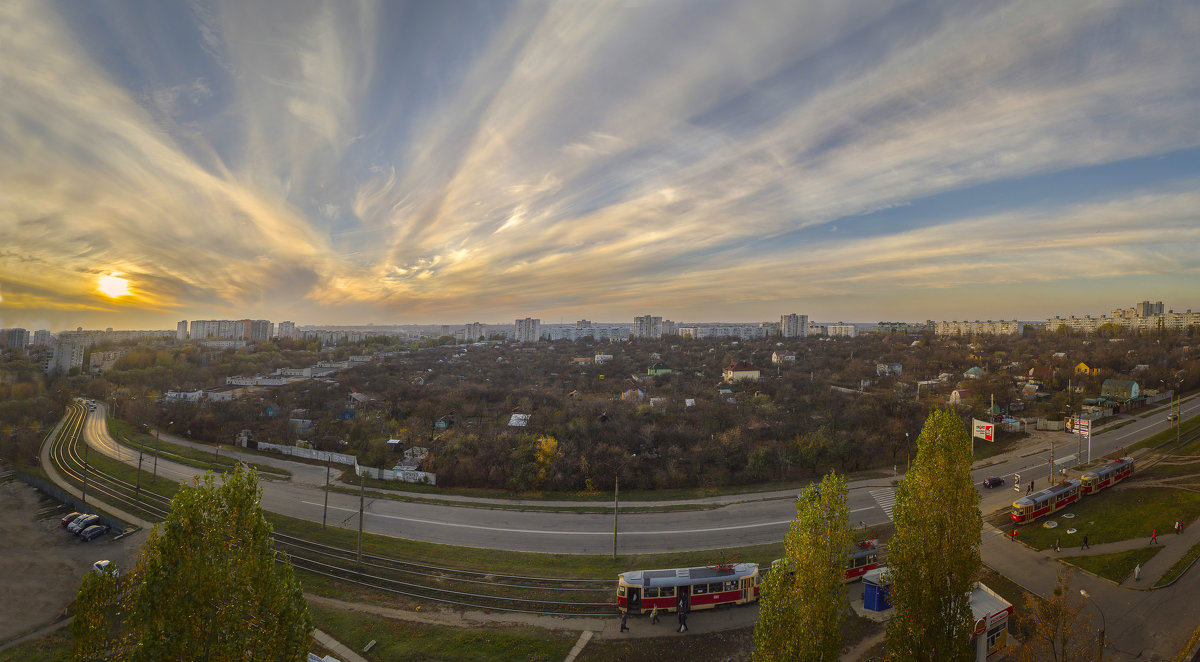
[[64, 357], [15, 339], [647, 326], [1147, 309], [528, 330], [287, 330], [42, 338], [841, 329], [181, 330], [247, 329], [996, 328], [474, 332], [793, 326]]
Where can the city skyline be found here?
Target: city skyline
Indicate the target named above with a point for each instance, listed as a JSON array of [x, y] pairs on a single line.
[[424, 163]]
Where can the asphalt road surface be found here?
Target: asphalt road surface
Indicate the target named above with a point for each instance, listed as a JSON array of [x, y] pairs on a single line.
[[736, 520]]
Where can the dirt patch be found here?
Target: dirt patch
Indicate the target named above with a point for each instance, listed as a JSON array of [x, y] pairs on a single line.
[[43, 564]]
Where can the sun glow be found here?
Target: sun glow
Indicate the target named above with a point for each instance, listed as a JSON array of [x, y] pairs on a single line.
[[113, 286]]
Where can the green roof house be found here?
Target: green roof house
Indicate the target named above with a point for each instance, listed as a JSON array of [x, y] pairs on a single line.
[[657, 369], [1121, 390]]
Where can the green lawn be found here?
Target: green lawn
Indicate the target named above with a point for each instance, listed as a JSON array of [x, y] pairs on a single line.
[[192, 457], [1116, 567], [597, 508], [402, 640], [54, 647], [1181, 566], [1115, 514], [1168, 435]]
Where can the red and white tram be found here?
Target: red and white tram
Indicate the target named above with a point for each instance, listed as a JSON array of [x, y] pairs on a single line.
[[1052, 499], [1112, 473], [696, 588], [863, 557]]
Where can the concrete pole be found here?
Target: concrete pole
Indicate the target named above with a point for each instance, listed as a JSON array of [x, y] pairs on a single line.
[[325, 514], [361, 498], [616, 490]]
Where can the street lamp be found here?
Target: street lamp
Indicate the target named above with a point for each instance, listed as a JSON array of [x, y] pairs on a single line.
[[616, 491], [1103, 622]]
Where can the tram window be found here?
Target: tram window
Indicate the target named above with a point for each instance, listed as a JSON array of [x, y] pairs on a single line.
[[621, 591], [666, 592], [651, 592], [700, 589], [731, 586]]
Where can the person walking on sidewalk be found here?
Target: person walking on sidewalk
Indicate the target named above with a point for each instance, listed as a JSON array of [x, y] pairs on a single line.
[[1153, 536], [1056, 547], [682, 621], [1137, 572], [1084, 545], [654, 615], [624, 615], [1178, 528]]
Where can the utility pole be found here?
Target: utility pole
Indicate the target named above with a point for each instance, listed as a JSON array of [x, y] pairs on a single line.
[[137, 493], [616, 489], [156, 442], [325, 514], [361, 498], [83, 497]]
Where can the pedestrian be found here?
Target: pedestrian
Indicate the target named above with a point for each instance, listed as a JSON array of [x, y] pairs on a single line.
[[624, 615], [654, 615], [1137, 572], [1177, 527], [1012, 535], [1056, 547], [683, 621], [1153, 536], [1085, 545]]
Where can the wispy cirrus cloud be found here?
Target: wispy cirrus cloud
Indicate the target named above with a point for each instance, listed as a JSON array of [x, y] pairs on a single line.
[[419, 162]]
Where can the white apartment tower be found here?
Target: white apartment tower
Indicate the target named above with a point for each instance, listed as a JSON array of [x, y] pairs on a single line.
[[793, 326], [181, 330], [647, 326], [287, 330], [473, 332], [529, 330]]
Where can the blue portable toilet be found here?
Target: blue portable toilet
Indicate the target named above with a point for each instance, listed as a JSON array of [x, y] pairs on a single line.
[[875, 584]]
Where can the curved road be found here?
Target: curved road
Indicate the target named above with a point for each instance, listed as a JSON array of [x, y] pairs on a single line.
[[738, 520]]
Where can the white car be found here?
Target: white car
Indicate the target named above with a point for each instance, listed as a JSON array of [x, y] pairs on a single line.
[[100, 566], [82, 522]]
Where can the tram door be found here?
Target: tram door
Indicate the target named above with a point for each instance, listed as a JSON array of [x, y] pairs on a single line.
[[685, 598], [635, 599], [747, 587]]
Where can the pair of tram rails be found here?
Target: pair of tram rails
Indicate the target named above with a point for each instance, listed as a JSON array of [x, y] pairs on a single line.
[[706, 587]]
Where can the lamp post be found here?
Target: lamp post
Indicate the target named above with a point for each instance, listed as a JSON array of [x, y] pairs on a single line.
[[1103, 621], [156, 442], [616, 491]]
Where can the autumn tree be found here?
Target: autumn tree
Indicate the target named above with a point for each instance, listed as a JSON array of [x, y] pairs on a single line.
[[206, 586], [802, 599], [1061, 627], [934, 554]]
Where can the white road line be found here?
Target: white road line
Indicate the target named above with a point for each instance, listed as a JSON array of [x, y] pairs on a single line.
[[886, 498], [556, 533]]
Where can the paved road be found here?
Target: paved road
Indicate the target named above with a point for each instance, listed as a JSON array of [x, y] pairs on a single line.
[[737, 521]]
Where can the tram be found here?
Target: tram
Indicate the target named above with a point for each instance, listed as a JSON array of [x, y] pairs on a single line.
[[1094, 480], [640, 591], [864, 557], [1050, 500]]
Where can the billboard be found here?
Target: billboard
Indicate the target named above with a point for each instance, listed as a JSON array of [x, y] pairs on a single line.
[[983, 430]]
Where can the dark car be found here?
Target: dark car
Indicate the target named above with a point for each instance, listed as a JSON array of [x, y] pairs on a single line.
[[82, 522], [67, 519], [1172, 417], [994, 481], [93, 531]]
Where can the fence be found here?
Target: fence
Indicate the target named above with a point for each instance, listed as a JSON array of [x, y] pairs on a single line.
[[343, 458]]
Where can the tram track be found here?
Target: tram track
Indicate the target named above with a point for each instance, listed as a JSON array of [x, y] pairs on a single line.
[[418, 581]]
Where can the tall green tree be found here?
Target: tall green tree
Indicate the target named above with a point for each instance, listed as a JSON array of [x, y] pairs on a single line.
[[205, 587], [802, 600], [934, 554]]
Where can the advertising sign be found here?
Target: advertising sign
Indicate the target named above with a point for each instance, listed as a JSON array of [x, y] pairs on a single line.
[[983, 430]]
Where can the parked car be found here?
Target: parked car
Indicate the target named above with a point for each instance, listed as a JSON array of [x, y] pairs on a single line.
[[100, 566], [994, 481], [67, 519], [92, 532], [82, 522]]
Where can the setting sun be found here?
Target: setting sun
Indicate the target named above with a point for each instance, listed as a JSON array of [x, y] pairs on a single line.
[[114, 286]]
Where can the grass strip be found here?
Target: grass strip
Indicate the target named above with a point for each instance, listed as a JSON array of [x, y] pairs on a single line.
[[404, 640], [54, 647], [1168, 434], [525, 507], [1116, 566], [1181, 566], [125, 432]]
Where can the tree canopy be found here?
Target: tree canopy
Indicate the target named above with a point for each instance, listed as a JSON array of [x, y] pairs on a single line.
[[206, 586], [802, 600], [934, 554]]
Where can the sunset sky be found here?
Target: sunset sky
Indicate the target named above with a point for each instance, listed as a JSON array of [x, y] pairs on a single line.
[[447, 162]]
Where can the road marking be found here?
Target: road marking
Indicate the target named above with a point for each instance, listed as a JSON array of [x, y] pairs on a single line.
[[557, 533], [886, 498]]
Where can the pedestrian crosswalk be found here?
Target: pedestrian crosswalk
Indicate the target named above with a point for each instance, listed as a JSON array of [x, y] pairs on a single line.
[[886, 498]]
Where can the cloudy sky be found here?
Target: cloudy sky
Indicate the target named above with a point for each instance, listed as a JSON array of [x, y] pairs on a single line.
[[425, 162]]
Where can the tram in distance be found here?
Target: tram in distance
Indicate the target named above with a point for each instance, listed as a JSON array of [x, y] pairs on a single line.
[[864, 556], [640, 591], [1059, 496]]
